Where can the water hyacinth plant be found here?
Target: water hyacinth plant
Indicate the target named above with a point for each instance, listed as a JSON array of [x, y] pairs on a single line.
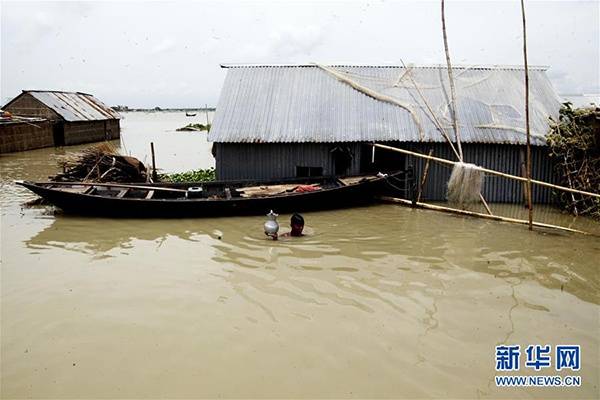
[[197, 175]]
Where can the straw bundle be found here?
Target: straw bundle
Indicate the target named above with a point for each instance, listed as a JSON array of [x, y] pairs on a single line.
[[100, 163], [465, 183]]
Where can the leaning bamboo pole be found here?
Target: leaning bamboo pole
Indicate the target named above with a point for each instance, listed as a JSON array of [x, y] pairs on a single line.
[[434, 118], [485, 204], [476, 214], [488, 171], [452, 88], [529, 203], [453, 100], [424, 177], [440, 128]]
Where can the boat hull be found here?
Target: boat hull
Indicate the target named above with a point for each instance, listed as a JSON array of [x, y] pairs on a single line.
[[96, 205]]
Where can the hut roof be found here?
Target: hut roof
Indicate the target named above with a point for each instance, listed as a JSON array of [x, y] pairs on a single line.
[[73, 106], [310, 103]]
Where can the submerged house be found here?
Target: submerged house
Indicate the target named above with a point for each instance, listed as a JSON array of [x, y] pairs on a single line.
[[20, 134], [75, 117], [276, 121]]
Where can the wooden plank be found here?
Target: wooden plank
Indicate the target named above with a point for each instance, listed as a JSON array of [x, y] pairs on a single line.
[[109, 185], [352, 180], [74, 190]]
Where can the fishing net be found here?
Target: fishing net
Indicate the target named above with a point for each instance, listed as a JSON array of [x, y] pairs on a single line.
[[490, 104], [490, 101], [465, 184]]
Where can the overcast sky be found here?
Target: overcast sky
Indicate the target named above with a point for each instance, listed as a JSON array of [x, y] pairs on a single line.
[[146, 54]]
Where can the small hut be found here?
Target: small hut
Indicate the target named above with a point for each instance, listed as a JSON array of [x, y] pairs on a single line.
[[75, 117], [278, 121]]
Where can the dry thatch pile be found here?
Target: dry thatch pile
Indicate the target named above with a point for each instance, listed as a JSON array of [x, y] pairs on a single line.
[[574, 142], [100, 163]]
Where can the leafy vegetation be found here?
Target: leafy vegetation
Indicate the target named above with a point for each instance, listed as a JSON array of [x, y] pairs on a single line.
[[198, 175], [195, 127]]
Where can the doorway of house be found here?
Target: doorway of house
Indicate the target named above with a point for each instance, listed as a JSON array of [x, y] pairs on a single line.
[[341, 157], [58, 133], [384, 161], [107, 131]]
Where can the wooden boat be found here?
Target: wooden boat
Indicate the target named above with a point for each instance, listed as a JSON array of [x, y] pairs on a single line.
[[211, 199], [189, 114]]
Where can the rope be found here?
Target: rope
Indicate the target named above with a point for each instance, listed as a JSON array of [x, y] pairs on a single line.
[[394, 186]]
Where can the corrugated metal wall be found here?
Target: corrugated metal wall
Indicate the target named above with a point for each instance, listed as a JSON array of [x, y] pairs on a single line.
[[503, 158], [279, 160], [90, 131]]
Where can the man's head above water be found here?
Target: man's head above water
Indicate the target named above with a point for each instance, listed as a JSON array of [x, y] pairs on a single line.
[[297, 224]]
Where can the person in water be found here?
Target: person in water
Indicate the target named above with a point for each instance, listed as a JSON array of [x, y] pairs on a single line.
[[297, 225]]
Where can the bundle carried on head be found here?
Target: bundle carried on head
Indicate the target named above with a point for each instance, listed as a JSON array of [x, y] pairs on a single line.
[[465, 183], [100, 163]]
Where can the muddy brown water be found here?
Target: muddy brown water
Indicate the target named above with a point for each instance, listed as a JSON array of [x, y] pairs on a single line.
[[380, 301]]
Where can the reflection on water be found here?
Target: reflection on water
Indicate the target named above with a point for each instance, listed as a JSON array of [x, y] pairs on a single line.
[[381, 301]]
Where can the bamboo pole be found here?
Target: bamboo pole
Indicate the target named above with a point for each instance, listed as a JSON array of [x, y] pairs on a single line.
[[93, 168], [154, 176], [424, 177], [529, 188], [485, 204], [489, 171], [476, 214], [568, 173], [436, 122], [25, 121], [452, 88], [440, 128], [206, 110], [523, 165]]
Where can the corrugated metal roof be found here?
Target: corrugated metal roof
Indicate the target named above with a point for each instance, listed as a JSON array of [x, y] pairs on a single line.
[[455, 66], [75, 106], [308, 104]]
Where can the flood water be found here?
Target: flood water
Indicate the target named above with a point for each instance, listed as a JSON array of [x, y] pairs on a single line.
[[381, 301]]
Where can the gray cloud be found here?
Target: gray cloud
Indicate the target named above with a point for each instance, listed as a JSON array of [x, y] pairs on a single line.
[[168, 53], [284, 43]]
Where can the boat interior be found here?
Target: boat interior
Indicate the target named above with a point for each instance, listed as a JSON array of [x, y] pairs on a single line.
[[208, 190]]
